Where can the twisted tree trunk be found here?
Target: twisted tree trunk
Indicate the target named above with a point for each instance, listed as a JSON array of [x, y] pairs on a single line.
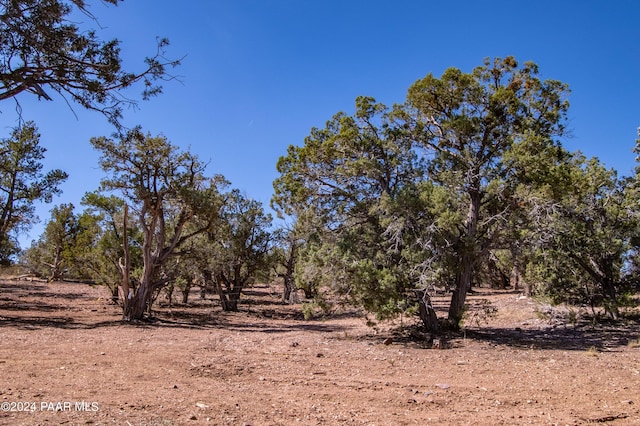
[[466, 260]]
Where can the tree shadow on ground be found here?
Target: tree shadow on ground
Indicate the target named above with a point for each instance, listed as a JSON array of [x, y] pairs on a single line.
[[24, 305], [7, 286], [263, 321], [176, 319], [602, 336], [68, 323]]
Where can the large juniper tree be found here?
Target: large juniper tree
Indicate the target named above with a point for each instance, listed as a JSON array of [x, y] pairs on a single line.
[[423, 193], [466, 123], [590, 234]]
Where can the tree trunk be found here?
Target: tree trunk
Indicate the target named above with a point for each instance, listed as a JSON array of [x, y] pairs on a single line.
[[288, 288], [229, 290], [231, 305], [426, 312], [170, 289], [125, 264], [113, 289], [222, 286], [310, 290], [516, 280], [610, 301], [142, 299], [459, 296], [288, 276], [56, 266], [137, 304], [185, 294], [466, 251], [234, 294]]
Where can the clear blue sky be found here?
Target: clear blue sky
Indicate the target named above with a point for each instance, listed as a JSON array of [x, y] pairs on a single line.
[[259, 74]]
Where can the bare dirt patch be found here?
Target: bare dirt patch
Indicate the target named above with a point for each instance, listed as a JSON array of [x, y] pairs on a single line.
[[66, 358]]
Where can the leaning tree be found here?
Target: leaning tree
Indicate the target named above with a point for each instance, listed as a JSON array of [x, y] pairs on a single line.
[[170, 197]]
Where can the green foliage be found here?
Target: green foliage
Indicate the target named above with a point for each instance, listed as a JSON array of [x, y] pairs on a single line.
[[242, 238], [581, 257], [22, 183], [170, 197], [232, 252], [422, 195], [472, 126], [42, 48], [99, 242], [53, 254], [235, 251], [358, 176]]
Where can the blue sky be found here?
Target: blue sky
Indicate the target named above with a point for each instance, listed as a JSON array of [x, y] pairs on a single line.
[[259, 74]]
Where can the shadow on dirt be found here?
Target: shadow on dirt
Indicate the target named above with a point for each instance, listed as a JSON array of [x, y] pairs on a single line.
[[601, 336], [36, 306], [31, 323], [194, 321], [20, 286]]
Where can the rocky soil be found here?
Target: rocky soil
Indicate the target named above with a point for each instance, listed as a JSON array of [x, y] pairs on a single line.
[[66, 358]]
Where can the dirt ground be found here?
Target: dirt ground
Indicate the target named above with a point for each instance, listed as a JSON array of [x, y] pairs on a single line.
[[66, 358]]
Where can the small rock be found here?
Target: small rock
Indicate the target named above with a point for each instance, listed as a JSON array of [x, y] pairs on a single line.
[[388, 341], [175, 386], [193, 418], [442, 385], [201, 405], [319, 355]]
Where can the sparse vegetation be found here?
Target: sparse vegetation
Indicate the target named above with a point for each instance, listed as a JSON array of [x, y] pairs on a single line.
[[190, 355], [456, 220], [482, 313]]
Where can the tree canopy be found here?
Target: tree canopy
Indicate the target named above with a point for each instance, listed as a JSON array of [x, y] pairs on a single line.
[[22, 182], [467, 123], [426, 194], [42, 50], [167, 191], [464, 184]]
